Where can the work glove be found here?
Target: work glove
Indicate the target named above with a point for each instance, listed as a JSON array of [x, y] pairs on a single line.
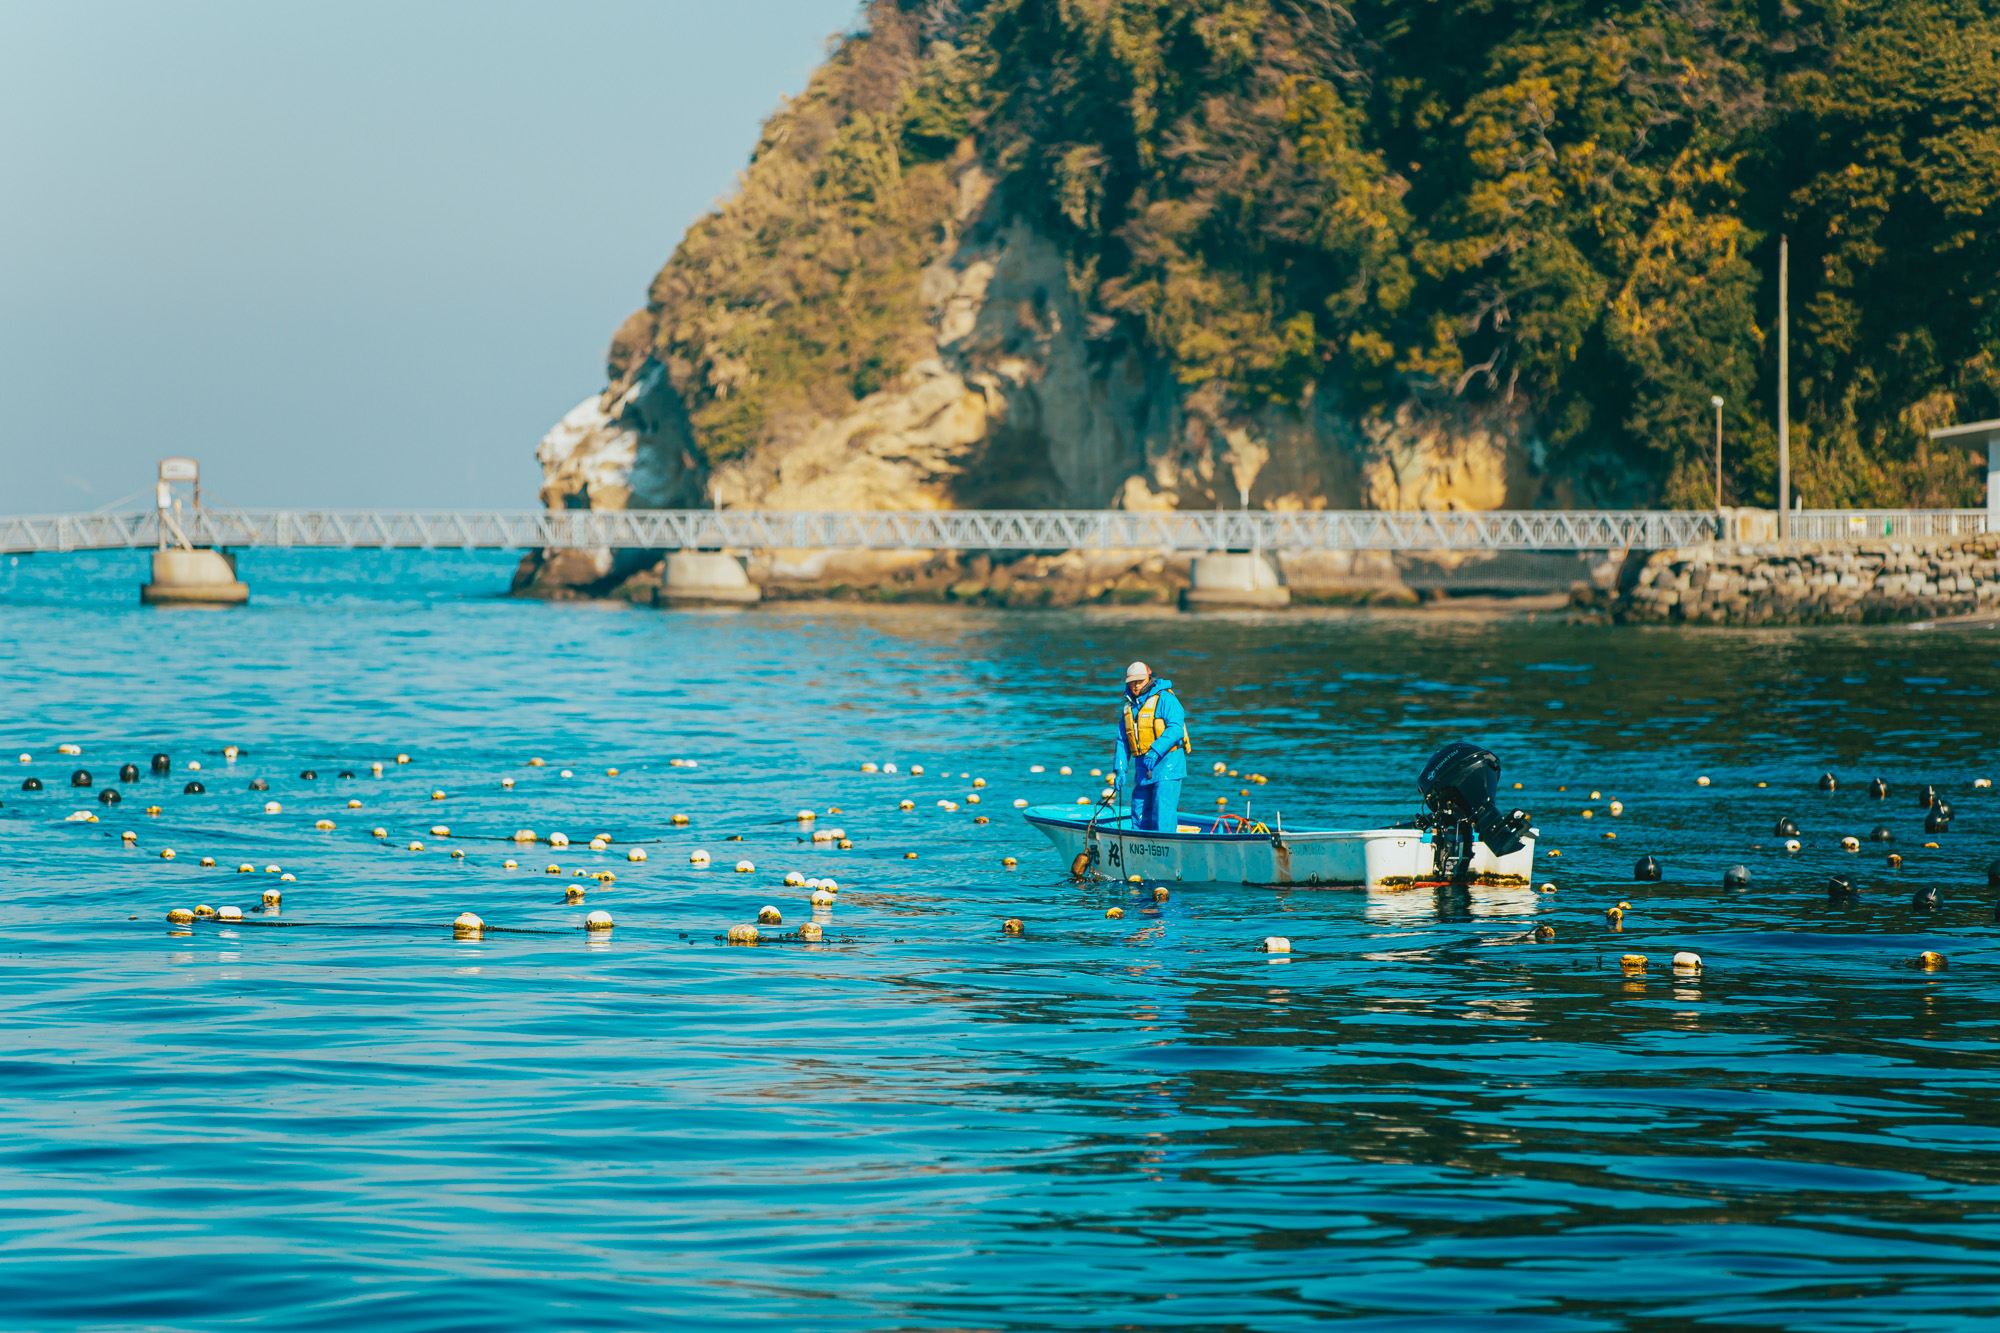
[[1145, 767]]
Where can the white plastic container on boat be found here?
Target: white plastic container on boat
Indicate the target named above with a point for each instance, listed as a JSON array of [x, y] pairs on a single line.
[[1380, 858]]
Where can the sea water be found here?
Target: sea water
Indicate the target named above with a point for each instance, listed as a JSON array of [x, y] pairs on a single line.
[[338, 1115]]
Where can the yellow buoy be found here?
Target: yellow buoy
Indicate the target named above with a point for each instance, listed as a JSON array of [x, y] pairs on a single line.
[[152, 809], [678, 820], [378, 832], [510, 865], [1012, 925], [906, 805], [610, 772], [208, 860], [246, 869], [697, 857], [273, 897], [769, 916], [402, 759], [1633, 962], [1114, 913], [1931, 961], [870, 768], [129, 836], [437, 796], [1160, 893], [458, 853], [909, 856], [180, 914], [1009, 862], [166, 853], [416, 847], [917, 769], [811, 933], [1701, 782], [323, 823], [203, 909], [1850, 844], [553, 869], [534, 763], [1064, 770], [440, 831], [1544, 933], [354, 805]]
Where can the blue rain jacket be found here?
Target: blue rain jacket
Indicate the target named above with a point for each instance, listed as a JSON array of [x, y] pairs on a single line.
[[1166, 758]]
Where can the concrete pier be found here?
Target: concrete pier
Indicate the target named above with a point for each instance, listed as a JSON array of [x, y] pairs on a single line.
[[199, 577], [1234, 579], [705, 578]]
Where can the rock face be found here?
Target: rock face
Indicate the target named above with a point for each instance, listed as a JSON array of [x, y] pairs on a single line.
[[1802, 583]]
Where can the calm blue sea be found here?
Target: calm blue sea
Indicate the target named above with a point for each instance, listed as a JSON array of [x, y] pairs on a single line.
[[336, 1115]]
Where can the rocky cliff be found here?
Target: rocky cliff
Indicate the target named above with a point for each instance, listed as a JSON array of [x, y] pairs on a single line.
[[1182, 253]]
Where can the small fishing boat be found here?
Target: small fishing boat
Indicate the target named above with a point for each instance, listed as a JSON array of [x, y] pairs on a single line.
[[1460, 839]]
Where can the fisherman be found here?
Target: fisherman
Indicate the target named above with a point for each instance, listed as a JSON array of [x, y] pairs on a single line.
[[1153, 740]]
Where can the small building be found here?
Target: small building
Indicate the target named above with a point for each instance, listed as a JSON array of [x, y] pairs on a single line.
[[1979, 435]]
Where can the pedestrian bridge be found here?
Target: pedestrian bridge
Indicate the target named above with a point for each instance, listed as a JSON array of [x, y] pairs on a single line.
[[954, 530]]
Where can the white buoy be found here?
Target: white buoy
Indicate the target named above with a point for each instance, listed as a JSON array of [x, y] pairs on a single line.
[[598, 920], [378, 833], [574, 893], [440, 831], [566, 773], [273, 808], [888, 768], [510, 865], [1685, 961], [1701, 782], [744, 868], [354, 805], [466, 924], [599, 844], [1020, 804], [743, 934], [166, 853], [768, 915], [524, 835], [322, 823], [67, 748], [1791, 844], [865, 768], [416, 847], [830, 886], [558, 840], [228, 914], [821, 898], [793, 879], [272, 897], [1064, 770], [635, 855], [507, 782], [1277, 944], [129, 836], [806, 816], [194, 766], [437, 796], [698, 857], [917, 769], [246, 869]]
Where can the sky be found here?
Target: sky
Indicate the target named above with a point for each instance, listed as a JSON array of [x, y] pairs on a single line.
[[352, 254]]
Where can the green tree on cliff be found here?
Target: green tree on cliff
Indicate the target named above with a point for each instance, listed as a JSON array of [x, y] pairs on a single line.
[[1561, 209]]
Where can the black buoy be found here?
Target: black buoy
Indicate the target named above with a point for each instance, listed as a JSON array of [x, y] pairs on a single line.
[[1827, 782], [1992, 867], [1937, 823], [1646, 868], [258, 784], [309, 776], [35, 784], [347, 772], [1926, 899], [80, 778], [1839, 887], [193, 789], [1786, 827], [1544, 933], [1879, 789], [1942, 808], [1736, 877], [109, 796], [1881, 833], [129, 773], [1926, 796], [162, 764]]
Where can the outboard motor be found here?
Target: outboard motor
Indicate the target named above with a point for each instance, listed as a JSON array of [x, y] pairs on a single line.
[[1458, 786]]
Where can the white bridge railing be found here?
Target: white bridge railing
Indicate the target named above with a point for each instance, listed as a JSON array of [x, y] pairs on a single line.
[[959, 530]]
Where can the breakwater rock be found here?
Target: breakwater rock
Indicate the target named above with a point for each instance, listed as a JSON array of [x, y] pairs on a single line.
[[1802, 583]]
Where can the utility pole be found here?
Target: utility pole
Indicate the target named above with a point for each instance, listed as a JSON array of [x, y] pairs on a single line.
[[1716, 403], [1784, 401]]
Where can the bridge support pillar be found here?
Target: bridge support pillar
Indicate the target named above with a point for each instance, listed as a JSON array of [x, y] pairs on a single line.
[[1235, 579], [194, 578], [705, 578]]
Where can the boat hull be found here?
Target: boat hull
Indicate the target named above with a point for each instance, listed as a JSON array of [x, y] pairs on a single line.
[[1381, 858]]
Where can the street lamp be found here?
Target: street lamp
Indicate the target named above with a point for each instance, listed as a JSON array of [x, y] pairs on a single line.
[[1716, 403]]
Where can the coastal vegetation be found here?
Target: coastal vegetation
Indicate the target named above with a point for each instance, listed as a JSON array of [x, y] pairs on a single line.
[[1562, 211]]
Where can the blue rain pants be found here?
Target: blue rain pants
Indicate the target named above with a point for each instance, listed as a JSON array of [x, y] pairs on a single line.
[[1156, 805]]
